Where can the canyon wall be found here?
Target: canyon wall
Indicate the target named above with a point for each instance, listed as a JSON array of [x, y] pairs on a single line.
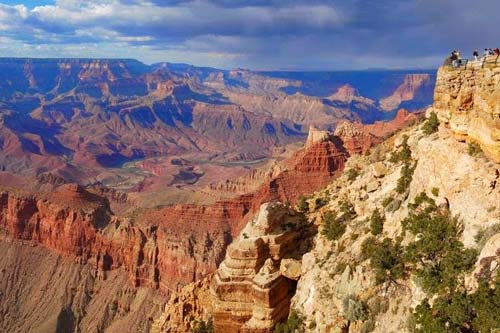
[[160, 248], [466, 100]]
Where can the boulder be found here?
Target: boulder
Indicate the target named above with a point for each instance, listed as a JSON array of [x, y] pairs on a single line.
[[379, 169], [291, 268]]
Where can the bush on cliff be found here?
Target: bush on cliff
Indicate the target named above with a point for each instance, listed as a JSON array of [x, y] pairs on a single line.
[[431, 125], [352, 174], [437, 256], [334, 227], [376, 222], [459, 311], [386, 259], [406, 177], [294, 324], [201, 326], [303, 205], [473, 149], [403, 154]]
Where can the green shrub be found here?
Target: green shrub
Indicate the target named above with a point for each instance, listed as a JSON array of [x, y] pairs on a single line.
[[302, 204], [438, 256], [460, 312], [294, 324], [368, 326], [403, 154], [376, 222], [431, 125], [334, 227], [473, 149], [386, 259], [354, 309], [201, 326], [347, 212], [320, 202], [352, 174], [406, 177], [435, 191], [386, 201]]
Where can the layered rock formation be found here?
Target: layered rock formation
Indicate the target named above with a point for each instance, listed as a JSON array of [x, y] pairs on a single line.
[[467, 102], [152, 244], [354, 138], [42, 291], [250, 292]]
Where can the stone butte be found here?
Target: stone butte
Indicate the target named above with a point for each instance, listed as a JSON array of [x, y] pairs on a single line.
[[468, 101]]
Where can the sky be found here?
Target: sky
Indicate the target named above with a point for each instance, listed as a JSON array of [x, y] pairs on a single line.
[[255, 34]]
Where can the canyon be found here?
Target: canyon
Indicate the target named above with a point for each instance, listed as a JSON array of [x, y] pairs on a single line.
[[125, 125], [141, 177]]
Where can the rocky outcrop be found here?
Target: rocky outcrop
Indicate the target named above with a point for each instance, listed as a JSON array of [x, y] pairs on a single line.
[[194, 303], [468, 101], [250, 292], [355, 138]]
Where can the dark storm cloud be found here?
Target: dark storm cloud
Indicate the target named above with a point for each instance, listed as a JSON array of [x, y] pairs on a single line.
[[262, 34]]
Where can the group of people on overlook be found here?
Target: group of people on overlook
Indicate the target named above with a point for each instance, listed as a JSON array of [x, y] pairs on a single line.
[[456, 60]]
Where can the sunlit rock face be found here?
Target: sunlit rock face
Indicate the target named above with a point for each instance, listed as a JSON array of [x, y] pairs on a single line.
[[468, 101]]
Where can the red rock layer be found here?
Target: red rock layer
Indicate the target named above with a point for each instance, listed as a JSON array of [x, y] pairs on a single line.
[[165, 248]]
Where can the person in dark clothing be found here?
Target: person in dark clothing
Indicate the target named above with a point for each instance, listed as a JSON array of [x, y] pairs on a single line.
[[475, 54]]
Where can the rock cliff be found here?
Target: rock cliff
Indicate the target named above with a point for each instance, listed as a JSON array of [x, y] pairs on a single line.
[[468, 102], [159, 248]]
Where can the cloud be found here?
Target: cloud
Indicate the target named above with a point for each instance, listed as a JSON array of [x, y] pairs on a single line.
[[315, 34]]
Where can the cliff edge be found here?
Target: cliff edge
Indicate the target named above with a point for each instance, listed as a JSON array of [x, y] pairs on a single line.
[[468, 102]]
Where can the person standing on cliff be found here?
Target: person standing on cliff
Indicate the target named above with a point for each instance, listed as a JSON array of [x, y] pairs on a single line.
[[475, 54]]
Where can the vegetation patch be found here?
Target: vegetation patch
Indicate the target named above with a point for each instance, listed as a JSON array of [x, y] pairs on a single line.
[[352, 174], [386, 259], [294, 324], [335, 223], [431, 125], [334, 227], [201, 326], [376, 222], [473, 149], [406, 177], [435, 191], [458, 311], [403, 154], [437, 256], [303, 205]]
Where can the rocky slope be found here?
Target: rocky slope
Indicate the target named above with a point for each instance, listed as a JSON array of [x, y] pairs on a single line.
[[53, 293]]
